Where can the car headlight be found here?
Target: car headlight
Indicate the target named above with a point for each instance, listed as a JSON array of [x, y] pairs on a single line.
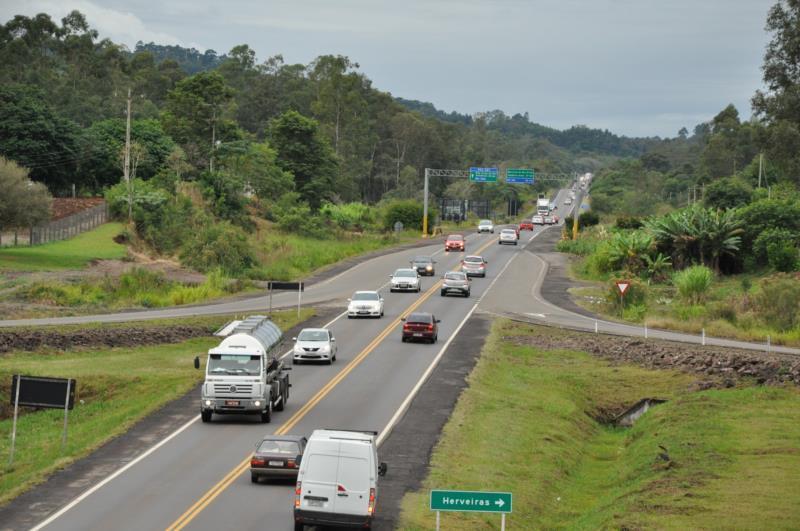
[[428, 268], [325, 348], [257, 403], [208, 402], [298, 349]]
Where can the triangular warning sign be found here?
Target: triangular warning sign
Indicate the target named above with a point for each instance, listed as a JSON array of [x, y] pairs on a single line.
[[622, 285]]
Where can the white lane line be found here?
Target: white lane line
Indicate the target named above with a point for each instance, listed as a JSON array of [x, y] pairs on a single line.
[[105, 481]]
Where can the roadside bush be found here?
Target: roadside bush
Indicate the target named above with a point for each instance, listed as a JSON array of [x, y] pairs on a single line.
[[772, 236], [219, 245], [588, 219], [295, 216], [635, 296], [782, 256], [349, 216], [629, 222], [580, 247], [600, 262], [693, 283], [409, 213], [778, 301]]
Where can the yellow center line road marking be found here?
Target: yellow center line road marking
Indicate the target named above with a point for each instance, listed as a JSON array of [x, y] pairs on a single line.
[[231, 476]]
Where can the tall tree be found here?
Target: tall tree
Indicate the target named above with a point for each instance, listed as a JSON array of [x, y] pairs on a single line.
[[22, 203]]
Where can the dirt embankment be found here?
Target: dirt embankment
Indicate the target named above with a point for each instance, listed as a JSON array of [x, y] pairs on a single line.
[[98, 337], [723, 366]]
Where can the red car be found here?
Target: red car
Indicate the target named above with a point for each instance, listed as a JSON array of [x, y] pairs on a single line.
[[454, 242], [420, 325], [526, 224]]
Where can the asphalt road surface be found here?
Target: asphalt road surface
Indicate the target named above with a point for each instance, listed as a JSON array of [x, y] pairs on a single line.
[[198, 478]]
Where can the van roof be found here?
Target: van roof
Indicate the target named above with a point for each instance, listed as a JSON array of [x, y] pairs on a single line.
[[327, 435]]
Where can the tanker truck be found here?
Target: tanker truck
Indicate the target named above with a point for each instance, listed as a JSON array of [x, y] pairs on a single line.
[[243, 374]]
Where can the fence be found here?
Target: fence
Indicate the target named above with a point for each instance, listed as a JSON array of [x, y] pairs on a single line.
[[60, 229]]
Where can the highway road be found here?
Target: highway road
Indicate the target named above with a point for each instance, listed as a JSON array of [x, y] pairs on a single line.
[[199, 479]]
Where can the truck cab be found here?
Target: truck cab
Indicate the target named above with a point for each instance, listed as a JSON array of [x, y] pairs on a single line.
[[243, 376]]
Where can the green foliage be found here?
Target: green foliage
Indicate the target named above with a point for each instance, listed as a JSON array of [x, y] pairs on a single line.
[[629, 249], [22, 203], [772, 237], [783, 256], [225, 195], [296, 216], [349, 216], [407, 212], [767, 215], [727, 193], [635, 295], [255, 165], [218, 245], [778, 301], [628, 222], [588, 219], [581, 246], [693, 283]]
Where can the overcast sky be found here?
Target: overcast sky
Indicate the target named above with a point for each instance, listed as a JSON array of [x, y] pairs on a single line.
[[635, 67]]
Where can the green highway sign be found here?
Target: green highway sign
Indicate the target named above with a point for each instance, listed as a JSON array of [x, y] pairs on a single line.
[[483, 175], [471, 501], [519, 176]]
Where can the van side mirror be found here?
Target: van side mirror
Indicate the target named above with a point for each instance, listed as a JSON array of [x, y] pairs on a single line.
[[197, 362], [298, 459], [438, 320], [382, 468]]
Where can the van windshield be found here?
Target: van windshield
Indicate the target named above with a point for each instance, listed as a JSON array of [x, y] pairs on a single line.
[[234, 364]]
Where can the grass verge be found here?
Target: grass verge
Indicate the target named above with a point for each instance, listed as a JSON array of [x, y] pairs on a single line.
[[73, 253], [531, 423], [119, 387]]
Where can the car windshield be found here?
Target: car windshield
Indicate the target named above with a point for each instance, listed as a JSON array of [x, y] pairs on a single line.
[[455, 238], [270, 446], [420, 318], [422, 260], [313, 335], [474, 259], [405, 273], [234, 364], [455, 276], [366, 296], [509, 231], [485, 222]]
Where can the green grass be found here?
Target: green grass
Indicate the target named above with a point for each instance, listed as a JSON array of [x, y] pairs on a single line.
[[73, 253], [285, 256], [120, 386], [527, 424]]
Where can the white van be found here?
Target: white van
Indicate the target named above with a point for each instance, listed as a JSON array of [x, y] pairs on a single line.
[[337, 484]]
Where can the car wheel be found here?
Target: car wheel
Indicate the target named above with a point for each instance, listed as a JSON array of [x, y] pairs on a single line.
[[266, 416], [403, 339], [467, 294], [442, 292], [329, 361], [295, 362], [418, 289], [205, 416], [349, 316], [253, 478], [299, 526], [381, 313]]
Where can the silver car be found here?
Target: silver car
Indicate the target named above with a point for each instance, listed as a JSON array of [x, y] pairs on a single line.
[[508, 236], [405, 280], [455, 282], [474, 266], [314, 344], [486, 225], [365, 304]]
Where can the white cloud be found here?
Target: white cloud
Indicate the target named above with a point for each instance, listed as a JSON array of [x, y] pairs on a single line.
[[120, 26]]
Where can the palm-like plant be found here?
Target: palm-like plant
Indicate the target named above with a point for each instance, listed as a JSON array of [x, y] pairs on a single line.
[[657, 267], [629, 250]]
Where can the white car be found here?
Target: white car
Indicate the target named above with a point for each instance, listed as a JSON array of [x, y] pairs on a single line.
[[365, 304], [568, 201], [508, 236], [538, 220], [314, 344], [486, 225], [405, 280]]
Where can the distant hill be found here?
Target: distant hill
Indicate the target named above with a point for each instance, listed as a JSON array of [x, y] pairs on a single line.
[[190, 60], [577, 139]]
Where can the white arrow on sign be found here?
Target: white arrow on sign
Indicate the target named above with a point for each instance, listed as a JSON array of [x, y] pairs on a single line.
[[499, 503], [623, 287]]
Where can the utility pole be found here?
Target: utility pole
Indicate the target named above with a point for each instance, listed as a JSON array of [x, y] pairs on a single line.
[[127, 164], [213, 139], [760, 167], [425, 207]]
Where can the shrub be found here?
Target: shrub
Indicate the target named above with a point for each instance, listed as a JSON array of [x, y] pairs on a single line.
[[782, 256], [771, 236], [581, 246], [778, 301], [588, 219], [600, 262], [693, 283], [294, 216], [628, 222], [219, 245], [349, 216], [409, 213]]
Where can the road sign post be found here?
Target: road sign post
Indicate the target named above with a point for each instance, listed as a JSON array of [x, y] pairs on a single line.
[[273, 285], [471, 501], [483, 175], [519, 176], [622, 286]]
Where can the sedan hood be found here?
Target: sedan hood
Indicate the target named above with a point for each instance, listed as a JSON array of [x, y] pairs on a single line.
[[311, 344], [355, 305]]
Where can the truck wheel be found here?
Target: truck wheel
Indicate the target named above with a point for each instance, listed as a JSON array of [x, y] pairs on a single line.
[[298, 526], [205, 415], [266, 416], [282, 404]]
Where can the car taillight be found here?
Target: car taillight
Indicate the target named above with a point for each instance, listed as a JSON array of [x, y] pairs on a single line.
[[291, 464], [371, 507], [256, 461], [406, 327], [297, 492], [430, 328]]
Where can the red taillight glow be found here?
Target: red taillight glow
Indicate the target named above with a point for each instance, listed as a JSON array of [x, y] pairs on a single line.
[[291, 464], [371, 507], [256, 461], [430, 328], [297, 491]]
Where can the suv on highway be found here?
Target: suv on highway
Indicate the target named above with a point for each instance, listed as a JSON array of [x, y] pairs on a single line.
[[486, 225], [507, 236], [474, 266], [455, 282], [404, 280], [420, 325]]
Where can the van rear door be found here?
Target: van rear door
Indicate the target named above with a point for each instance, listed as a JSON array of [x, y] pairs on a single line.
[[319, 483], [353, 483]]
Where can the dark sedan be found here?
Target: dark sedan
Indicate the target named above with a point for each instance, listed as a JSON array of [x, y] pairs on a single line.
[[420, 326], [424, 265], [276, 457], [455, 282]]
